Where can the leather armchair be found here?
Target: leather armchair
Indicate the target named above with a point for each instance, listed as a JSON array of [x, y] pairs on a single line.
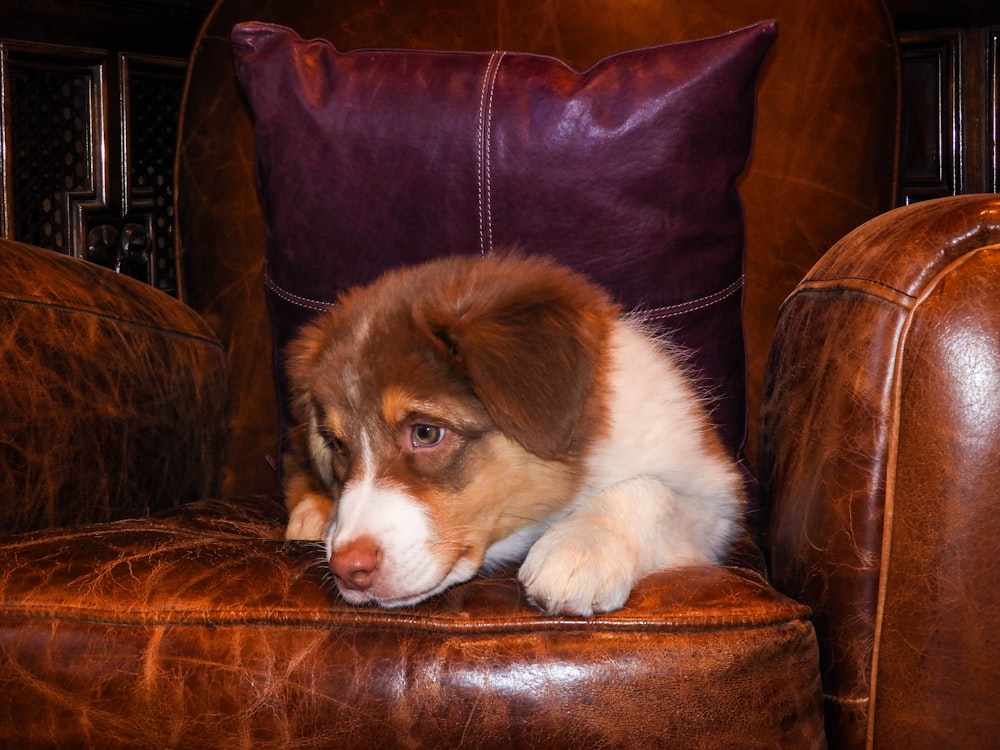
[[191, 623]]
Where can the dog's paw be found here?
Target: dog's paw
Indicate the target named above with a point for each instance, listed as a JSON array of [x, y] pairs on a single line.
[[308, 518], [571, 572]]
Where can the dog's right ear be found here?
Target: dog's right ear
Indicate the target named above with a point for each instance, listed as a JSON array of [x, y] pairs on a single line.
[[528, 336]]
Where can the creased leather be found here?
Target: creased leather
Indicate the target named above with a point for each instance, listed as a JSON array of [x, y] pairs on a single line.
[[881, 448], [111, 395], [204, 629], [201, 628]]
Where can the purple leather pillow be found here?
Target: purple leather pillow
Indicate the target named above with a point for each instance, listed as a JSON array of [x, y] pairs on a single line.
[[626, 171]]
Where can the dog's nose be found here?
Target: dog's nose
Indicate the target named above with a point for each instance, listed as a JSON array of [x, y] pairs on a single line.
[[355, 563]]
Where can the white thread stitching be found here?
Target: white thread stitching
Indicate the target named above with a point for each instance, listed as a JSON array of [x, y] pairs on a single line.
[[483, 165], [488, 152], [699, 304], [295, 299]]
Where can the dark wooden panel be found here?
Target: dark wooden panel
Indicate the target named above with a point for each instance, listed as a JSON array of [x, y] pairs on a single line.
[[950, 104], [913, 15], [932, 136], [949, 54], [90, 96], [151, 97], [153, 27], [54, 135]]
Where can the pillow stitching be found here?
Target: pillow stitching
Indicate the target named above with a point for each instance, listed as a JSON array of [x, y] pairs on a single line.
[[693, 305], [296, 299], [658, 312], [484, 168]]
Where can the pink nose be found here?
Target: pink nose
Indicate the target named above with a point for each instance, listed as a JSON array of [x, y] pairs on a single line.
[[355, 563]]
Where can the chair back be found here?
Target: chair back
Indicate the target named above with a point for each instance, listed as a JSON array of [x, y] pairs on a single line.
[[824, 159]]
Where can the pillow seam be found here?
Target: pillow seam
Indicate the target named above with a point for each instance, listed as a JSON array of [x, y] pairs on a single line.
[[484, 166], [295, 299], [693, 305]]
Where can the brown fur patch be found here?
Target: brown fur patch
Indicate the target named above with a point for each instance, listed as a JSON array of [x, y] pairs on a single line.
[[505, 353], [510, 489]]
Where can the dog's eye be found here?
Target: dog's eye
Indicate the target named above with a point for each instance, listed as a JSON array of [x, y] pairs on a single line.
[[331, 441], [426, 435], [337, 446]]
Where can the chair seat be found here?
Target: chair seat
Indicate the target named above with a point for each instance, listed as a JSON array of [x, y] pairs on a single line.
[[203, 628]]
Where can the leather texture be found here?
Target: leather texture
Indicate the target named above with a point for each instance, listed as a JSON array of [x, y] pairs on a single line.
[[884, 471], [816, 171], [204, 629], [111, 395], [625, 172], [199, 627]]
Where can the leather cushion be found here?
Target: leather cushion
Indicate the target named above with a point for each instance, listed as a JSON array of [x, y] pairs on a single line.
[[626, 171], [202, 629], [112, 395]]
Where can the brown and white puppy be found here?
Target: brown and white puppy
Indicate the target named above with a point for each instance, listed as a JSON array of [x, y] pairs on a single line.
[[471, 412]]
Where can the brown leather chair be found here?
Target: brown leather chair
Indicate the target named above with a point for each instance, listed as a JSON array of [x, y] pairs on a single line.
[[194, 625]]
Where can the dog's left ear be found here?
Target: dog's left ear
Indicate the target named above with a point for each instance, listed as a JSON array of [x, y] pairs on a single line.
[[530, 348]]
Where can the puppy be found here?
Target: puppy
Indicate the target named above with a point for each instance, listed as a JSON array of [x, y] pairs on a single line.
[[472, 412]]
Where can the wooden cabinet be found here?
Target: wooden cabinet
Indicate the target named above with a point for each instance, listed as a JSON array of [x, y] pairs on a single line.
[[89, 103], [950, 112], [951, 97]]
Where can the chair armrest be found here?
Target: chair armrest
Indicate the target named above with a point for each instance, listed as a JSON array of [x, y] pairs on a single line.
[[112, 395], [880, 456]]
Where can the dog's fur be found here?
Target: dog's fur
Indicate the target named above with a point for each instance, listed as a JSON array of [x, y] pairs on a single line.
[[472, 412]]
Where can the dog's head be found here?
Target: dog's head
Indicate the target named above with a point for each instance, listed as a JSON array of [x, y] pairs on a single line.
[[445, 409]]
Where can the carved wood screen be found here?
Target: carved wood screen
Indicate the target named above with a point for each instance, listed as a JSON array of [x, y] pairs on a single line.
[[87, 155]]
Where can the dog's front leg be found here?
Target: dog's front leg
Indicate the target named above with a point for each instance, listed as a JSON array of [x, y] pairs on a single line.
[[589, 561], [309, 517]]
